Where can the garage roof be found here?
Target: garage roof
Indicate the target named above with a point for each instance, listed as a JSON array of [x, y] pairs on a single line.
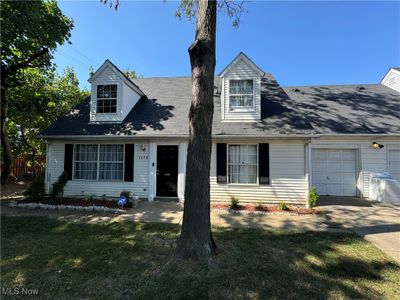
[[349, 109]]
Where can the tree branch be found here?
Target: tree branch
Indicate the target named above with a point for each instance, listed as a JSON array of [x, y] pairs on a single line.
[[15, 67]]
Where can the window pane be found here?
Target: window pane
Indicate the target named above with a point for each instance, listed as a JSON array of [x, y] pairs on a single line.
[[241, 93], [111, 162], [85, 165], [107, 98], [242, 162]]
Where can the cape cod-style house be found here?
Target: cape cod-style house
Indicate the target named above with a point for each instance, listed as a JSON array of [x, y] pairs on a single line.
[[270, 143]]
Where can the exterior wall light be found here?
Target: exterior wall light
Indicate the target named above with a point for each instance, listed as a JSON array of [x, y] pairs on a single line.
[[143, 147], [375, 145]]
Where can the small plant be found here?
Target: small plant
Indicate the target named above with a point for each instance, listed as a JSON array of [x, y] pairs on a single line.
[[126, 194], [260, 206], [313, 197], [234, 202], [36, 189], [58, 186], [283, 206]]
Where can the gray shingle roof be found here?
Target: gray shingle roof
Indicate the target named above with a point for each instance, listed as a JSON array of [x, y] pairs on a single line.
[[165, 110], [349, 109]]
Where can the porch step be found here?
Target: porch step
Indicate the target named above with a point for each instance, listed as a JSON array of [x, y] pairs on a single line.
[[166, 199]]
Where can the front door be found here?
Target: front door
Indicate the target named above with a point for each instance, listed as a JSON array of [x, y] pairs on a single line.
[[167, 171]]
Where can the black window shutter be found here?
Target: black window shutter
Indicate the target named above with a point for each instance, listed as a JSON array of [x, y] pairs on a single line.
[[263, 162], [129, 161], [68, 158], [221, 163]]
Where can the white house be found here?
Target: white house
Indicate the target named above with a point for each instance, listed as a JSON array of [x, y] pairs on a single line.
[[270, 143]]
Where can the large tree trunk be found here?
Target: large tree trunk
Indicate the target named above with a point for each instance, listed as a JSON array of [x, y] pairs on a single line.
[[5, 144], [196, 240]]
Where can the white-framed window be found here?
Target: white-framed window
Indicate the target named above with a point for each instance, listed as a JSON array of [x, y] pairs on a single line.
[[99, 162], [107, 98], [242, 164], [111, 162], [241, 94], [85, 161]]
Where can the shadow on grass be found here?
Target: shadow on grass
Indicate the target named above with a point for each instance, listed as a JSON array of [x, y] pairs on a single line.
[[123, 260]]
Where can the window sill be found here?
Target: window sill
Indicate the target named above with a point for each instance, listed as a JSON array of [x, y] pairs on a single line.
[[95, 180], [241, 110]]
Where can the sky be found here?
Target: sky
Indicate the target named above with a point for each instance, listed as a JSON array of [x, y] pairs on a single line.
[[300, 43]]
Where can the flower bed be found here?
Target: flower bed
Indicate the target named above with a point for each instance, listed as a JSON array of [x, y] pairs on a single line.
[[264, 209], [77, 204]]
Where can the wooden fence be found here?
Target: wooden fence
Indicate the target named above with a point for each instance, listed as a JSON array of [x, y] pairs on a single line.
[[23, 165]]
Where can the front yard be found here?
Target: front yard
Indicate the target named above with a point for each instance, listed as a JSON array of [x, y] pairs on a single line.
[[65, 260]]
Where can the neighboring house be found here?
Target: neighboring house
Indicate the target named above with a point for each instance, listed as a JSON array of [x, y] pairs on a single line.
[[270, 143]]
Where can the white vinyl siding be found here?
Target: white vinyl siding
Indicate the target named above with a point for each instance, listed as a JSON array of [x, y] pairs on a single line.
[[392, 80], [369, 160], [287, 172], [126, 97], [394, 163], [242, 164], [98, 188], [241, 71]]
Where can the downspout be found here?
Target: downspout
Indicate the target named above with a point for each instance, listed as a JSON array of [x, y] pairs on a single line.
[[308, 170]]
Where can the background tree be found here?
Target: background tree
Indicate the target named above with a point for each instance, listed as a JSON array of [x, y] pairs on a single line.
[[43, 97], [30, 32], [196, 240], [131, 73]]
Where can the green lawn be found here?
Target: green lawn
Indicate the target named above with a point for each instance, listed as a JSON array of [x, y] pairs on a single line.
[[129, 260]]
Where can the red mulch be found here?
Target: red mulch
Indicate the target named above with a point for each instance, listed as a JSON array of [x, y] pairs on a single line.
[[264, 208], [79, 202]]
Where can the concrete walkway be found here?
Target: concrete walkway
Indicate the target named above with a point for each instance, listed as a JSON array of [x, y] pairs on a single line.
[[377, 223], [168, 212]]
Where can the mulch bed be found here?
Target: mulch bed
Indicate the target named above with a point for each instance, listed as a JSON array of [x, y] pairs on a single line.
[[79, 202], [263, 209]]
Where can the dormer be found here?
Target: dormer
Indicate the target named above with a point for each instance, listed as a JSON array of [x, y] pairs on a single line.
[[392, 79], [113, 94], [241, 90]]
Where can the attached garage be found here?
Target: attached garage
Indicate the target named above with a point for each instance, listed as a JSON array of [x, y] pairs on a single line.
[[394, 163], [334, 171]]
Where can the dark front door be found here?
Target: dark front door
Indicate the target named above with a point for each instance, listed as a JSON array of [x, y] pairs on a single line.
[[167, 171]]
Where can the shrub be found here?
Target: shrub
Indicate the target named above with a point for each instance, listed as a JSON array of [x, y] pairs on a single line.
[[58, 186], [36, 189], [126, 194], [282, 206], [234, 202], [260, 206], [313, 197]]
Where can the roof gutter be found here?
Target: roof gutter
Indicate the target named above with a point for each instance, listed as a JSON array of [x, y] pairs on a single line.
[[216, 137]]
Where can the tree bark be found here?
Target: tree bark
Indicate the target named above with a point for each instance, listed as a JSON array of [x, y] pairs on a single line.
[[5, 144], [196, 240]]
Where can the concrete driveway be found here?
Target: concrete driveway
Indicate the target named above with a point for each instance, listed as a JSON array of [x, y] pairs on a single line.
[[376, 222]]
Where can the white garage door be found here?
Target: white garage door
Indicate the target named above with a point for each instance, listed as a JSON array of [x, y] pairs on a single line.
[[394, 163], [334, 171]]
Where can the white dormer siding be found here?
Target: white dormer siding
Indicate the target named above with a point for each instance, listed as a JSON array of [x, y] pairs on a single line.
[[127, 96], [392, 79], [241, 68]]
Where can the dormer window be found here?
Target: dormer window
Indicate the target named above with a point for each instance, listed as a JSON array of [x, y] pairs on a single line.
[[107, 98], [241, 94]]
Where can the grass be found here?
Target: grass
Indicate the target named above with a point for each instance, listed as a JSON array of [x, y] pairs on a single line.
[[65, 260]]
